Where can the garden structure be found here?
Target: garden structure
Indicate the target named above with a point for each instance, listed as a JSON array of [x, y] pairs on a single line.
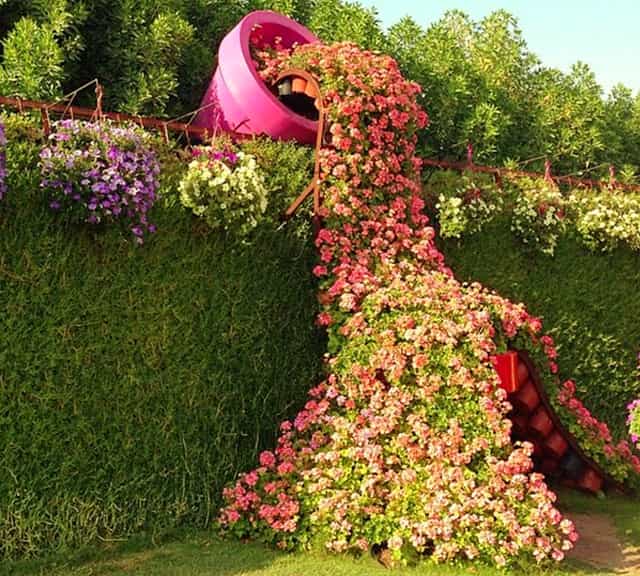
[[441, 414], [344, 466]]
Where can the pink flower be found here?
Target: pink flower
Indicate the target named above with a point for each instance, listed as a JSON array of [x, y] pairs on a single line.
[[267, 459]]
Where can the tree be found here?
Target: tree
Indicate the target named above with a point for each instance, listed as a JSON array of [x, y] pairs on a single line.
[[569, 117], [337, 20]]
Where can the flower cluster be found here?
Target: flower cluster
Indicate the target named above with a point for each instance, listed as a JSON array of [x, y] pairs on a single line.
[[100, 172], [226, 188], [596, 440], [538, 216], [633, 421], [606, 219], [466, 211], [406, 442], [268, 56], [3, 163]]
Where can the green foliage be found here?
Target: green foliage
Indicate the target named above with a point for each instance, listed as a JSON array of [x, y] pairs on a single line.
[[587, 301], [337, 20], [32, 62], [299, 10], [287, 168], [569, 116], [134, 383], [144, 67], [480, 80], [476, 79]]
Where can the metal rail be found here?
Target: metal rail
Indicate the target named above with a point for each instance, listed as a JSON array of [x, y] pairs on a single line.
[[499, 172], [46, 108]]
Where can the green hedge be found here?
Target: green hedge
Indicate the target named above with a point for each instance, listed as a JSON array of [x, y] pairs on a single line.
[[135, 382], [588, 301]]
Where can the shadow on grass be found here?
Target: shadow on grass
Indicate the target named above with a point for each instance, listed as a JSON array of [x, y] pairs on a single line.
[[179, 554], [203, 554]]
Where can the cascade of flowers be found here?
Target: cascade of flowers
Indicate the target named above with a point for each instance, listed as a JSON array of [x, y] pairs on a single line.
[[406, 443], [3, 163]]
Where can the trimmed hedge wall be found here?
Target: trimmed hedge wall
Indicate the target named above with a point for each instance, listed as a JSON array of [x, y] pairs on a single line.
[[588, 301], [135, 382]]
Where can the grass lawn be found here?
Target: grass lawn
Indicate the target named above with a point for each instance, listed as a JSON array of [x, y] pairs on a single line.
[[203, 553]]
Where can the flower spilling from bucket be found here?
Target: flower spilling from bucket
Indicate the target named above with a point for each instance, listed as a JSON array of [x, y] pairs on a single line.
[[406, 444]]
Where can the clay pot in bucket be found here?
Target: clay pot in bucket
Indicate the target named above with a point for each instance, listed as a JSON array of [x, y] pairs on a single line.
[[298, 85], [526, 399]]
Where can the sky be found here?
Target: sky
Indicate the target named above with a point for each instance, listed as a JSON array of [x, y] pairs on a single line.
[[605, 35]]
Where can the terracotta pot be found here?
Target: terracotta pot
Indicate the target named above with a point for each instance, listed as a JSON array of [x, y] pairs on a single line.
[[519, 426], [549, 466], [298, 85], [540, 422], [310, 90], [556, 445], [591, 481], [572, 465], [526, 399], [523, 372]]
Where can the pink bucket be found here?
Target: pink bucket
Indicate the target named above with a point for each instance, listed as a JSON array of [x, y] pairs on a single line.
[[239, 99]]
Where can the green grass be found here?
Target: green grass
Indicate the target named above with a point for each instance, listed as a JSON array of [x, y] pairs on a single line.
[[136, 382], [203, 553]]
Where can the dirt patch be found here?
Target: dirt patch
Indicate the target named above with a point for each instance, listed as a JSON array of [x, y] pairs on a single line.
[[601, 547]]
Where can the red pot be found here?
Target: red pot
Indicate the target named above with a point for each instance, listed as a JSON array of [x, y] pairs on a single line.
[[527, 398], [540, 422], [519, 426], [591, 481], [523, 372], [506, 365], [549, 466], [556, 445]]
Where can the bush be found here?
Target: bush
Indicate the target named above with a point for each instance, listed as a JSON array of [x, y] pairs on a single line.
[[135, 383], [538, 217], [287, 169], [32, 62], [467, 207]]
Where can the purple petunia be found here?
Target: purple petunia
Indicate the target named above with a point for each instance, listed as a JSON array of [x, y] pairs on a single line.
[[99, 172]]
